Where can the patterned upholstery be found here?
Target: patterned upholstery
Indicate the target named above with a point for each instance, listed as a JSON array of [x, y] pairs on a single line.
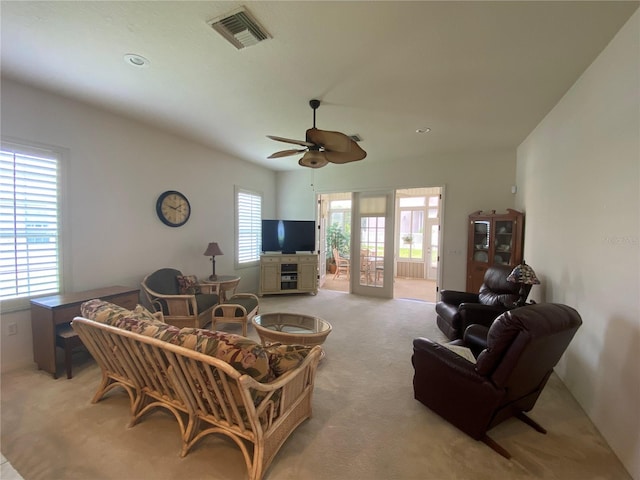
[[243, 354]]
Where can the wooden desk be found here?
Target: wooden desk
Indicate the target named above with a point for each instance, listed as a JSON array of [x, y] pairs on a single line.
[[47, 312]]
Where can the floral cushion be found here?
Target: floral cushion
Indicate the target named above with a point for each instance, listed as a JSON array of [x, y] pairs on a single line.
[[241, 353], [103, 312], [283, 358], [264, 364], [138, 320], [188, 284]]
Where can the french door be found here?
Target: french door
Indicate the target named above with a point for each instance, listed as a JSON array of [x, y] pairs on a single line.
[[321, 215], [372, 248]]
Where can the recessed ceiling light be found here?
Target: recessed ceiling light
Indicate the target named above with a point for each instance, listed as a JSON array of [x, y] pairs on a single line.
[[423, 130], [136, 60]]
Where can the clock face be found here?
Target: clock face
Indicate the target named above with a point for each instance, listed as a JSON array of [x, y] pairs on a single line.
[[173, 208]]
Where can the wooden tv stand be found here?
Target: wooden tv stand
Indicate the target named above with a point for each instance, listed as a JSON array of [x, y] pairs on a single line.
[[282, 273]]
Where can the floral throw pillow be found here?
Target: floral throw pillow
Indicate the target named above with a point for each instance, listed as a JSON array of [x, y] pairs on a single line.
[[283, 358], [188, 285]]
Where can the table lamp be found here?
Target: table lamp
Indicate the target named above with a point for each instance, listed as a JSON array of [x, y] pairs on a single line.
[[526, 277], [212, 250]]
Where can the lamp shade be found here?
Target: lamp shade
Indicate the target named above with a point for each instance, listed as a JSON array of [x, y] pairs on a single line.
[[524, 274], [213, 250]]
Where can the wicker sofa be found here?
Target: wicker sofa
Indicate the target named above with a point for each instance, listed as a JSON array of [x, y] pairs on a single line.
[[212, 382]]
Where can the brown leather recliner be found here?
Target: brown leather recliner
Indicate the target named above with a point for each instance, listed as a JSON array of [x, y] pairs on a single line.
[[457, 310], [523, 347]]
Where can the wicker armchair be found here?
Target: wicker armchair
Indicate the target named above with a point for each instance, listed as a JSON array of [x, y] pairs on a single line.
[[235, 308], [162, 289]]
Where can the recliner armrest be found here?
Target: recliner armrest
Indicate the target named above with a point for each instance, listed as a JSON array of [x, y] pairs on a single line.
[[439, 356], [455, 297], [472, 313], [475, 338]]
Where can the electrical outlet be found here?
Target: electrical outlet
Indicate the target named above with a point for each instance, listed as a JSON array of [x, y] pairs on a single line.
[[12, 329]]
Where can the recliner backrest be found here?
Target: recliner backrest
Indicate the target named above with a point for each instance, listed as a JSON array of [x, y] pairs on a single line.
[[496, 289], [524, 344], [164, 281]]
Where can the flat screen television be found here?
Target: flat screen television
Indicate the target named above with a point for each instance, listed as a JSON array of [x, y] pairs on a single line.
[[288, 236]]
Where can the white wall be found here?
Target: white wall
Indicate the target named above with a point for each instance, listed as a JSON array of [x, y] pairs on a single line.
[[579, 176], [472, 181], [115, 170]]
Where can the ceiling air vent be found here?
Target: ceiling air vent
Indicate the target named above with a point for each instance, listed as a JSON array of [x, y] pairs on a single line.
[[239, 28]]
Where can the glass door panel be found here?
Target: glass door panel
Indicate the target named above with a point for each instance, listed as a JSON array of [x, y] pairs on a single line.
[[503, 242], [321, 215], [432, 252], [481, 241], [433, 232], [372, 249]]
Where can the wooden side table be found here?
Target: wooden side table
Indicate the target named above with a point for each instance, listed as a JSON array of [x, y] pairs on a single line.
[[47, 312]]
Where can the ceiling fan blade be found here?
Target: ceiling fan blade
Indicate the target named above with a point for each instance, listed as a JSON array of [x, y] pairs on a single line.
[[289, 140], [286, 153], [313, 159], [330, 141], [355, 154]]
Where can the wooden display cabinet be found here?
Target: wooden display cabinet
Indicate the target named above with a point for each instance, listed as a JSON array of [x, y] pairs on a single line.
[[494, 239]]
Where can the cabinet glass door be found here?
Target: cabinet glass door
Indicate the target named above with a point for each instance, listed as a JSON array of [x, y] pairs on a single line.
[[481, 235], [503, 245]]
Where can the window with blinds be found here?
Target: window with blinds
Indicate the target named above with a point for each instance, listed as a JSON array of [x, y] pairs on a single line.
[[29, 223], [248, 227]]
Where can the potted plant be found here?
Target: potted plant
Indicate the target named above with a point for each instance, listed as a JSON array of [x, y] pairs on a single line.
[[335, 239]]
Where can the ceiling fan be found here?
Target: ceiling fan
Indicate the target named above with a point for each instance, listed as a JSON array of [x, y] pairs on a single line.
[[322, 146]]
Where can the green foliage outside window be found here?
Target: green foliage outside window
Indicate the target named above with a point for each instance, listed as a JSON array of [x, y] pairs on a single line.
[[336, 238]]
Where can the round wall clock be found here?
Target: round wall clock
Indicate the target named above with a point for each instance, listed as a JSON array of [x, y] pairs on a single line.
[[173, 208]]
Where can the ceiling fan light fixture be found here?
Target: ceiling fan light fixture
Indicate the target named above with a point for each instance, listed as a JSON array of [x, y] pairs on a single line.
[[313, 159]]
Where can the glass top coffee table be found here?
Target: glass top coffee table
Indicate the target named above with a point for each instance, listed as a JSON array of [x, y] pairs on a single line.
[[291, 328]]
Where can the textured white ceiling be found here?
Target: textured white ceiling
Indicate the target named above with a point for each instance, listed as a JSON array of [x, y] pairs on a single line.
[[480, 74]]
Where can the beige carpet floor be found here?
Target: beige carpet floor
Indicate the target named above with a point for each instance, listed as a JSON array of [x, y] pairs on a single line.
[[365, 425]]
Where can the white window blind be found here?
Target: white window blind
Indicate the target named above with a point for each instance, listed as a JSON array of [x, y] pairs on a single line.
[[249, 226], [29, 223]]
